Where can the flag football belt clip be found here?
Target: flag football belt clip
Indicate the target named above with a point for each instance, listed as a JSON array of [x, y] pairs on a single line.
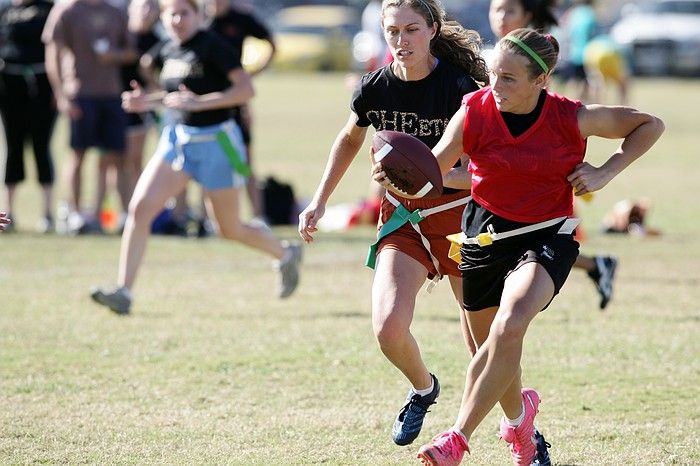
[[182, 138], [489, 236], [399, 218]]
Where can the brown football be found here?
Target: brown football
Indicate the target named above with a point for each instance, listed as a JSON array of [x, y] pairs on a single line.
[[409, 164]]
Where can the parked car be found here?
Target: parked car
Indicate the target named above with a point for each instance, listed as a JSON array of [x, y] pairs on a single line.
[[661, 38], [315, 37]]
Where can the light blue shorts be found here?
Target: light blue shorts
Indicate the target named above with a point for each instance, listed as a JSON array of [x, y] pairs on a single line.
[[195, 150]]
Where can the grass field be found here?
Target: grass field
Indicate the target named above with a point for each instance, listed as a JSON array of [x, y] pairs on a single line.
[[211, 369]]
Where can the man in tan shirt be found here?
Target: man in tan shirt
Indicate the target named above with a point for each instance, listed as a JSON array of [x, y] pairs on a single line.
[[86, 43]]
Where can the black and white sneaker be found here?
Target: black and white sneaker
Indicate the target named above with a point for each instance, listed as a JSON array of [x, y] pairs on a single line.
[[603, 277], [409, 422], [542, 446]]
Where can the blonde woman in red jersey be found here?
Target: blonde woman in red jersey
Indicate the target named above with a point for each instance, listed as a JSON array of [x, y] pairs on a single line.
[[506, 16], [526, 148]]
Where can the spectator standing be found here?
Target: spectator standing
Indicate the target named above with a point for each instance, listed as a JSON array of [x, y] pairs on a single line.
[[142, 21], [26, 100], [86, 44], [235, 23], [580, 26], [605, 64]]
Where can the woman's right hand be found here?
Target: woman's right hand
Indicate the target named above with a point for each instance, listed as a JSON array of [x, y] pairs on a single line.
[[134, 101], [308, 220]]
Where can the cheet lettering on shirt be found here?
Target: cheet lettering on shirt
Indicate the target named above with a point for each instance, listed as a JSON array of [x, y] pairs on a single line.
[[178, 69], [407, 122]]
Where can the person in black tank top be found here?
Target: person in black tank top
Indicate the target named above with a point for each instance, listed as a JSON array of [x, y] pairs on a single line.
[[435, 63], [201, 78], [234, 24], [517, 251], [26, 100], [504, 17]]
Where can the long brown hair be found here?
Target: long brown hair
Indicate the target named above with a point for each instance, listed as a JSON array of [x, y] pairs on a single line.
[[452, 42]]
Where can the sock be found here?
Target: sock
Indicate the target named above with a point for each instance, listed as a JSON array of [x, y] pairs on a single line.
[[425, 391], [517, 421]]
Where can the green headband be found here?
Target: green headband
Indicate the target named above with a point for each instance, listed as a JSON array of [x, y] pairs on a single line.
[[529, 51]]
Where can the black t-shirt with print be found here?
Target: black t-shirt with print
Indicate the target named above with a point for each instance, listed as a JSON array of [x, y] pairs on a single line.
[[20, 31], [420, 108], [235, 26], [202, 64]]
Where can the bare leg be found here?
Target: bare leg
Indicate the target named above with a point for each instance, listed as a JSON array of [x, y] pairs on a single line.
[[397, 280], [223, 205], [102, 175], [73, 171], [133, 159], [252, 186], [255, 196], [586, 263], [623, 90], [11, 192], [180, 210], [456, 284], [497, 362], [480, 325], [47, 195], [157, 184], [116, 160]]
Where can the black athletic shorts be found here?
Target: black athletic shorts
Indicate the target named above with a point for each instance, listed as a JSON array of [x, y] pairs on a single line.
[[485, 269]]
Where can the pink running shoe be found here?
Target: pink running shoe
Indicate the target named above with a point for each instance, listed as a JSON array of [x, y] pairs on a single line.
[[521, 439], [446, 449]]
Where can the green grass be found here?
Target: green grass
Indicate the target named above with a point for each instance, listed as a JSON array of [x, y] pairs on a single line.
[[210, 369]]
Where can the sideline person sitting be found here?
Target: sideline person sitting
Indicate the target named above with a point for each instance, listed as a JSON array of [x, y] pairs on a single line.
[[628, 216]]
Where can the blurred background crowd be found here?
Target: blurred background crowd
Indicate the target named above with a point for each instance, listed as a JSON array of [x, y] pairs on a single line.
[[47, 63], [658, 37]]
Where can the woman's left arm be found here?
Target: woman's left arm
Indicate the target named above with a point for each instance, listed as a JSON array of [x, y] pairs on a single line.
[[638, 130]]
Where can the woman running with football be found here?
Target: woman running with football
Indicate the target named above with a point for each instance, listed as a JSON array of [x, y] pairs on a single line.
[[526, 148], [435, 63], [201, 77]]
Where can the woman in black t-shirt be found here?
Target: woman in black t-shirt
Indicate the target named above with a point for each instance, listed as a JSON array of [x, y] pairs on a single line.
[[26, 100], [201, 78], [435, 63]]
